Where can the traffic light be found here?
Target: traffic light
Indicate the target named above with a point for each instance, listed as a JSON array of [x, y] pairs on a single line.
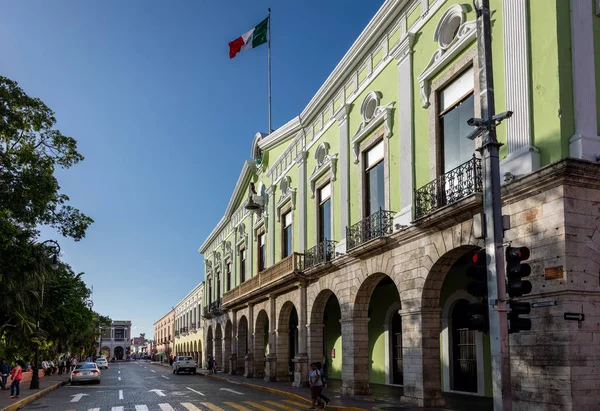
[[517, 287], [478, 314]]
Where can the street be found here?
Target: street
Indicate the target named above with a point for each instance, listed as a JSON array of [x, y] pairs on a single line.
[[145, 387]]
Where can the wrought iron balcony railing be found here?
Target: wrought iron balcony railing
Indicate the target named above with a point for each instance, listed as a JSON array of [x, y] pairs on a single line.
[[319, 254], [449, 188], [176, 333], [215, 307], [206, 311], [377, 225], [183, 330], [193, 327]]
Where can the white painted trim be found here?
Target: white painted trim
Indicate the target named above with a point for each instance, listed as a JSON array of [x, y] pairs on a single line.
[[585, 143], [383, 115], [280, 135], [446, 342]]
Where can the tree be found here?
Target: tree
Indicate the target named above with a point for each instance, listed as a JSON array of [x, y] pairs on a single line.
[[30, 197]]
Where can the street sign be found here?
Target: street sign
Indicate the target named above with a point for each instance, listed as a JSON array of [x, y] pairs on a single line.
[[574, 316]]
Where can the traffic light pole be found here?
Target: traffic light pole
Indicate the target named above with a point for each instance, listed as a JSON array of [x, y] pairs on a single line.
[[492, 204]]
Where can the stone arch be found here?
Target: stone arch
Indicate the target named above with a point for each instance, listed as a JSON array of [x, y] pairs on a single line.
[[228, 338], [261, 339], [219, 346], [363, 296], [209, 341], [318, 345], [287, 340], [242, 343]]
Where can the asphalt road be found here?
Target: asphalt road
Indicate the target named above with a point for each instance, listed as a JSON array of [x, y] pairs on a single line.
[[145, 387]]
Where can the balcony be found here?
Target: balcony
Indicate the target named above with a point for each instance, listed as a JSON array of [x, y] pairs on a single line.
[[176, 333], [206, 312], [270, 278], [369, 233], [183, 330], [119, 339], [456, 184], [215, 307], [193, 327], [319, 256]]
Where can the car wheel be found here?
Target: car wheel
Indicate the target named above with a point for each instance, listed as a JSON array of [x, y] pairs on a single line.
[[194, 372]]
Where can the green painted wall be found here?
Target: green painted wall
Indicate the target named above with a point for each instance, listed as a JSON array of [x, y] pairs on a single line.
[[333, 330], [596, 23], [386, 83], [383, 296]]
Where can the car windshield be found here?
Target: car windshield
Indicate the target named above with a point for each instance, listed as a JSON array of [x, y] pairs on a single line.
[[185, 358], [86, 366], [101, 360]]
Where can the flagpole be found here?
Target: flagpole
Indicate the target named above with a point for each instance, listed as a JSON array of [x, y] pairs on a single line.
[[269, 67]]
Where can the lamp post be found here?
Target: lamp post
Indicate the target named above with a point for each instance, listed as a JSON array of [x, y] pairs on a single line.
[[35, 378]]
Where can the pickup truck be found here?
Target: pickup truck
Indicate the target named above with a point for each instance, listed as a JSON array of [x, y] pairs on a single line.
[[184, 363]]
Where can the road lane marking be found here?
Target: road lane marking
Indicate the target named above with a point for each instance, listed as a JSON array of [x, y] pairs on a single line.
[[238, 407], [283, 407], [197, 392], [189, 406], [141, 408], [160, 393], [120, 394], [296, 403], [230, 390], [212, 406], [259, 406], [152, 370], [166, 407], [164, 376], [119, 378], [119, 372], [120, 408], [93, 409], [77, 397]]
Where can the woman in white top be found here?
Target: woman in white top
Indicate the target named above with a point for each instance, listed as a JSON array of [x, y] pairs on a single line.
[[316, 386]]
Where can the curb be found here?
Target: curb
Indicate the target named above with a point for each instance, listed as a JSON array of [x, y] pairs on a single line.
[[280, 392], [27, 400]]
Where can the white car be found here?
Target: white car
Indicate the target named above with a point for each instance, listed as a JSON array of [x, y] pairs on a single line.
[[184, 363], [85, 372], [102, 363]]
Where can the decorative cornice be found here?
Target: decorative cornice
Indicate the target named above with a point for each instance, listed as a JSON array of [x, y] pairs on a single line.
[[383, 114], [280, 135], [342, 114], [404, 49], [329, 164]]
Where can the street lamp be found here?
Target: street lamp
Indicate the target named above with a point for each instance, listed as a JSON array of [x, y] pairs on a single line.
[[35, 378]]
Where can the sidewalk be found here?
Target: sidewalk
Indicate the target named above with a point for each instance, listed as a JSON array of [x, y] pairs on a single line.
[[382, 400], [27, 395]]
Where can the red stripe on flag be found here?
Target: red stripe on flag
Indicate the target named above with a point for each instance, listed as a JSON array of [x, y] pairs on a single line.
[[235, 46]]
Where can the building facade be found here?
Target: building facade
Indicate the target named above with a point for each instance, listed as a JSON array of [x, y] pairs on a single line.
[[115, 340], [349, 232], [164, 337], [188, 327]]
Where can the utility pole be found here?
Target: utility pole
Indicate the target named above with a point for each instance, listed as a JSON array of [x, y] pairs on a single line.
[[492, 206]]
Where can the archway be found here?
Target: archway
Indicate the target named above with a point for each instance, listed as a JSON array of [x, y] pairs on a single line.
[[209, 342], [118, 352], [325, 334], [465, 354], [219, 346], [228, 340], [242, 341], [287, 341], [261, 343]]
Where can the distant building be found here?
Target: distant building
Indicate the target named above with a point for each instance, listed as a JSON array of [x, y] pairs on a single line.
[[115, 340], [164, 337], [137, 344]]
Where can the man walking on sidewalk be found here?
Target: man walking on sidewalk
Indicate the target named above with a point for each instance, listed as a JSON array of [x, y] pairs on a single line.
[[4, 371]]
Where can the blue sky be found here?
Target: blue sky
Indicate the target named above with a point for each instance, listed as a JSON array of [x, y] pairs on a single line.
[[164, 119]]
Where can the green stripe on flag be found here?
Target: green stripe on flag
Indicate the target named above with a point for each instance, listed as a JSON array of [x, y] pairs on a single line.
[[260, 33]]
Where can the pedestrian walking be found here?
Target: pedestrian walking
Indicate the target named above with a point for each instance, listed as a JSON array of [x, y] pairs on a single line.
[[4, 371], [324, 381], [15, 385], [73, 363], [316, 386], [211, 364], [61, 366]]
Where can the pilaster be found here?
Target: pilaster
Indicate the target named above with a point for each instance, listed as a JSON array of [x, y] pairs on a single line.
[[301, 161], [249, 359], [271, 359], [301, 359], [403, 56], [344, 174], [585, 143], [271, 225]]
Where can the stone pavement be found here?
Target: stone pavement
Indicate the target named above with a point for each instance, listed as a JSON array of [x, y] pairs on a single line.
[[27, 395]]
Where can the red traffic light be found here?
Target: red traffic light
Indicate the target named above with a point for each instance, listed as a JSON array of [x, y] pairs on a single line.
[[521, 253], [478, 256]]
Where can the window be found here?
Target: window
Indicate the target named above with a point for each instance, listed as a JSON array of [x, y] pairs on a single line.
[[374, 178], [228, 275], [324, 213], [286, 223], [242, 265], [262, 254], [209, 291], [456, 106], [218, 285]]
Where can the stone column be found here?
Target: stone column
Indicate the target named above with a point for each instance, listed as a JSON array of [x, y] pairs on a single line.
[[403, 57], [271, 360], [315, 342], [355, 358], [249, 359], [250, 248], [301, 360], [585, 143], [234, 344], [421, 358], [344, 175], [301, 161]]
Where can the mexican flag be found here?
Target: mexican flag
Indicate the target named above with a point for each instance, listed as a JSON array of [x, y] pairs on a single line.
[[250, 39]]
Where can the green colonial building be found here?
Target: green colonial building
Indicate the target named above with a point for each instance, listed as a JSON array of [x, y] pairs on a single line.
[[350, 229]]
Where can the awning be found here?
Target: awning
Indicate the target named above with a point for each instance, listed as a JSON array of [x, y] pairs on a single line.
[[160, 353]]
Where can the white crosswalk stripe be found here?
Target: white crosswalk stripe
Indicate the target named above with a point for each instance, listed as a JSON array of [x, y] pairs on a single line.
[[141, 408], [93, 409], [166, 407], [120, 408]]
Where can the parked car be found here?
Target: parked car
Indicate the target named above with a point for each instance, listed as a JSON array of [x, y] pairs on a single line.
[[183, 363], [85, 371], [102, 363]]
